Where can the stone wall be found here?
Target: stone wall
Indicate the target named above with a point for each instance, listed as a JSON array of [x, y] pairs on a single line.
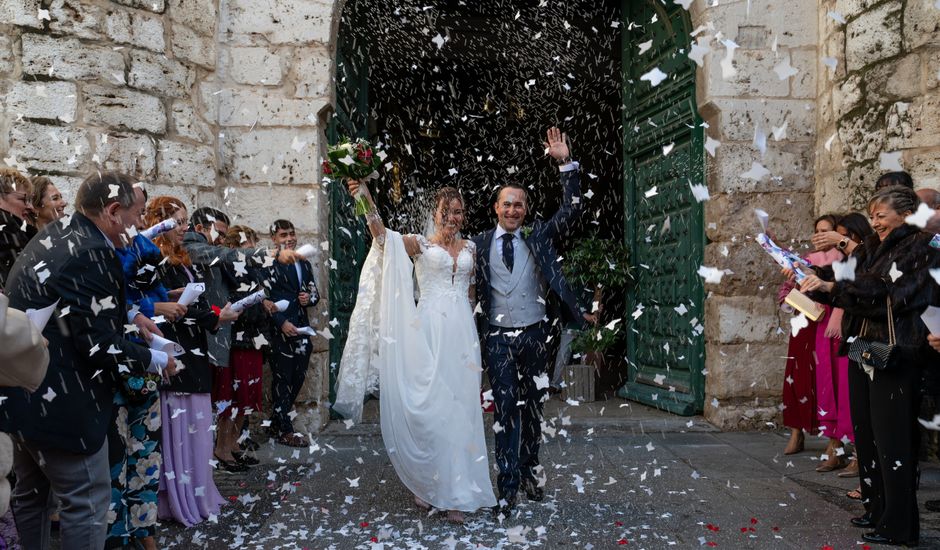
[[218, 102], [768, 87], [879, 99]]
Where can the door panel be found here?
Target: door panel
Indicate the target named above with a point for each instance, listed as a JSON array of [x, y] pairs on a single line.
[[664, 223]]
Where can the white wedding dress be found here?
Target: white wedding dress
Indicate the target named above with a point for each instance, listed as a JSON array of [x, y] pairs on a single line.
[[427, 361]]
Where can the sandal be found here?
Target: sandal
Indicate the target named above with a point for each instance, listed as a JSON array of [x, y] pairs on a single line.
[[242, 457], [854, 494], [293, 440]]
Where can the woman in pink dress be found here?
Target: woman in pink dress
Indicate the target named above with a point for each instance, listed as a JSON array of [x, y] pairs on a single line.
[[832, 392]]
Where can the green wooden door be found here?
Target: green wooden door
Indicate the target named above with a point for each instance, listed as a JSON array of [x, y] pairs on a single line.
[[347, 233], [663, 154]]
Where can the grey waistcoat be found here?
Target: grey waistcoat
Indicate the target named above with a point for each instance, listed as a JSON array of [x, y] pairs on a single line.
[[516, 294]]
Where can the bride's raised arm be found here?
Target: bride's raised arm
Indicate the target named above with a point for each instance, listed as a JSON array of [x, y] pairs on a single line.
[[374, 220]]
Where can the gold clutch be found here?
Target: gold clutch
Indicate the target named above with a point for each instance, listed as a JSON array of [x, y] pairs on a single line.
[[800, 302]]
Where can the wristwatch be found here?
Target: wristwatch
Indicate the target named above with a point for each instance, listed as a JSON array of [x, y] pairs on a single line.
[[843, 244]]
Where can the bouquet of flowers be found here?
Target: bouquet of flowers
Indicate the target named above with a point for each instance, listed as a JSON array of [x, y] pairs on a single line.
[[353, 160]]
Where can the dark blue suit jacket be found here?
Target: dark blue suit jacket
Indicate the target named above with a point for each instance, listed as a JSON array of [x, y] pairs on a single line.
[[87, 346], [285, 286], [541, 239]]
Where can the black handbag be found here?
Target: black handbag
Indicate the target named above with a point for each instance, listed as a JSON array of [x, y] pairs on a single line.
[[872, 353]]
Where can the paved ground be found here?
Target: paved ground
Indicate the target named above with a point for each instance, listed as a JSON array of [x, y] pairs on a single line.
[[625, 476]]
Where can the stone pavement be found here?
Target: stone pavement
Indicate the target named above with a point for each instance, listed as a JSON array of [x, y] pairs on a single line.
[[625, 476]]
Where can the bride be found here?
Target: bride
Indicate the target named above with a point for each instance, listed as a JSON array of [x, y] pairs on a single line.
[[425, 358]]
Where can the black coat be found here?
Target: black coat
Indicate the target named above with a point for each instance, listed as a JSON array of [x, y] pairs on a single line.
[[87, 347], [284, 285], [14, 234], [910, 251], [254, 321], [191, 332]]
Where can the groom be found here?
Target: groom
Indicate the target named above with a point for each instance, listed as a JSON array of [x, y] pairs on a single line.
[[519, 281]]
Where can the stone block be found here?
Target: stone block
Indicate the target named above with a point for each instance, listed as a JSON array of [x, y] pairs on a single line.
[[24, 13], [280, 21], [861, 184], [914, 124], [185, 164], [76, 18], [733, 214], [753, 272], [272, 155], [50, 148], [133, 154], [898, 79], [123, 108], [790, 166], [931, 68], [833, 46], [923, 167], [189, 194], [741, 319], [69, 59], [832, 191], [209, 99], [921, 24], [739, 117], [873, 36], [803, 84], [199, 15], [6, 54], [258, 205], [159, 75], [755, 76], [848, 96], [744, 415], [137, 29], [311, 72], [44, 100], [739, 371], [794, 24], [863, 135], [850, 9], [255, 65], [188, 124], [263, 108], [193, 47], [156, 6]]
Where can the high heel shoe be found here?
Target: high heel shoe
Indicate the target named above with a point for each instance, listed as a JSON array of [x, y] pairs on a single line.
[[231, 466]]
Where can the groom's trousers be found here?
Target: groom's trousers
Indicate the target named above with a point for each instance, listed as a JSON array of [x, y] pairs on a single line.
[[513, 359]]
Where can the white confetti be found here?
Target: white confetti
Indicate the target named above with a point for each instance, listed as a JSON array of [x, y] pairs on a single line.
[[756, 173], [895, 273], [654, 77], [891, 161], [784, 70], [921, 217]]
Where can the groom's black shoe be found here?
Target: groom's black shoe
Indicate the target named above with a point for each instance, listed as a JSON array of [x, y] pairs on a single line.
[[532, 490]]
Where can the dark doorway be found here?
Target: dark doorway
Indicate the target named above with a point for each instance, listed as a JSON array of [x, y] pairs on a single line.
[[461, 92]]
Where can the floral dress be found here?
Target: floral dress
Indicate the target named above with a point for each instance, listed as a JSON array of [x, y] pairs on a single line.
[[135, 457]]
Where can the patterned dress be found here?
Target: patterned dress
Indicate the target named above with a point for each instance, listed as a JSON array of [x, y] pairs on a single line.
[[135, 457]]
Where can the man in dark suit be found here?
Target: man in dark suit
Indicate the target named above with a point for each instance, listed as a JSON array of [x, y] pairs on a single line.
[[60, 429], [518, 281], [290, 353]]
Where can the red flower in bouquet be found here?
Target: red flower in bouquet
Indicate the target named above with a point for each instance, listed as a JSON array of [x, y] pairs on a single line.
[[353, 160]]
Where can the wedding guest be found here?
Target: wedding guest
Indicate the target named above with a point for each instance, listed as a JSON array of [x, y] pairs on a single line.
[[135, 450], [46, 202], [891, 288], [894, 178], [15, 209], [290, 353], [187, 491], [60, 429], [203, 243], [833, 416], [25, 358], [238, 388]]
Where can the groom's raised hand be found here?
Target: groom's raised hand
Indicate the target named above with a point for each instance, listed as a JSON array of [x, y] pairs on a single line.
[[557, 145]]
